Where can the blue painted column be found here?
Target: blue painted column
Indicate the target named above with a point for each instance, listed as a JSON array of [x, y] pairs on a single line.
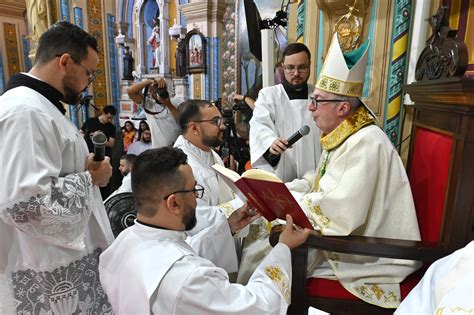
[[113, 64], [216, 68]]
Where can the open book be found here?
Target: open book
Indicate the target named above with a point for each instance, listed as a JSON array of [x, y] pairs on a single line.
[[266, 192]]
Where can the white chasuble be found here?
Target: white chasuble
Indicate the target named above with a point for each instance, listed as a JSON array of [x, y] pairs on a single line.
[[53, 224], [361, 188], [274, 116], [154, 271]]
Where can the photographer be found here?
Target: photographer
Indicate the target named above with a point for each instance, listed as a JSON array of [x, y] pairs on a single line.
[[247, 100], [161, 114]]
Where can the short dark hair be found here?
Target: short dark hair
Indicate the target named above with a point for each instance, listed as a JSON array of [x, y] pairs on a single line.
[[155, 174], [63, 37], [190, 111], [295, 48], [109, 109], [130, 158]]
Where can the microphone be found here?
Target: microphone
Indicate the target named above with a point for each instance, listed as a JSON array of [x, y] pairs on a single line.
[[99, 140], [303, 131]]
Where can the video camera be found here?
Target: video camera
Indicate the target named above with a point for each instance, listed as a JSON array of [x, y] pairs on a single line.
[[234, 145]]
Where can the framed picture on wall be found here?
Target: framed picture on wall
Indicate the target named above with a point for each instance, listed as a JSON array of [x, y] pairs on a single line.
[[196, 52]]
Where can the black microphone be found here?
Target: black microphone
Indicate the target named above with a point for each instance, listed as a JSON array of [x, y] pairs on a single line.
[[274, 158], [99, 140]]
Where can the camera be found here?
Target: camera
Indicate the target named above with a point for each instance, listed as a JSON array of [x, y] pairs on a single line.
[[161, 92], [240, 105]]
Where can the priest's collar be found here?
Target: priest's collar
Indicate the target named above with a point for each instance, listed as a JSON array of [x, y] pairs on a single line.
[[295, 92], [152, 225], [48, 91], [348, 127]]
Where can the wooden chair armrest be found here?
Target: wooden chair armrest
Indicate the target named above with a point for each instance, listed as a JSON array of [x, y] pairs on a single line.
[[377, 246], [372, 246]]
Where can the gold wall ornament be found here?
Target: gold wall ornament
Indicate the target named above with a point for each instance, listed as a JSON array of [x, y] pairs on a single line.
[[348, 29], [351, 26]]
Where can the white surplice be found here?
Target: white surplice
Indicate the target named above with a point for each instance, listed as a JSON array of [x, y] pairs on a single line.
[[361, 188], [446, 288], [164, 128], [217, 203], [274, 116], [126, 186], [53, 225], [154, 271]]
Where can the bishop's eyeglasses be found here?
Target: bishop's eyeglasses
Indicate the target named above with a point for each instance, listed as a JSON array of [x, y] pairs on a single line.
[[317, 102]]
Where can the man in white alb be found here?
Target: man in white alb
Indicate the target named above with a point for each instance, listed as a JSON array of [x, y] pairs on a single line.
[[279, 112], [203, 129], [151, 269], [53, 224]]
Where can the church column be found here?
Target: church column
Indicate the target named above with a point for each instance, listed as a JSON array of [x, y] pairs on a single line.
[[164, 37]]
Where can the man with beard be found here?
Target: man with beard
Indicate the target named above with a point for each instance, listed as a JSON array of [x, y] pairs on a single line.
[[150, 269], [125, 168], [52, 219], [280, 111], [139, 146], [203, 129], [160, 113]]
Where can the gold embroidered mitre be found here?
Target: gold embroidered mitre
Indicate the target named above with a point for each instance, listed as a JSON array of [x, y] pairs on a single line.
[[344, 74]]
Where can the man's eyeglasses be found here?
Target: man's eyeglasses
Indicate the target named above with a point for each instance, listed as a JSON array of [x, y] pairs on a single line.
[[317, 102], [215, 121], [291, 69], [198, 191], [91, 74]]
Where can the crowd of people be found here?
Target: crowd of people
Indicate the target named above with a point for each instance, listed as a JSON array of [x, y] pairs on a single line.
[[195, 247]]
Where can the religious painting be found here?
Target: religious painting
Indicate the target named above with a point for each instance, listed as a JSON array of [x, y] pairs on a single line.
[[196, 52]]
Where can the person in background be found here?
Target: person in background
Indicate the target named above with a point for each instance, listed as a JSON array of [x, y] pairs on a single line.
[[104, 123], [143, 144], [128, 133], [141, 127], [125, 167], [53, 224], [250, 102], [160, 113], [150, 269]]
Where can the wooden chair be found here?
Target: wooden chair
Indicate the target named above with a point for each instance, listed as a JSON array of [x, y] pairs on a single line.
[[441, 174]]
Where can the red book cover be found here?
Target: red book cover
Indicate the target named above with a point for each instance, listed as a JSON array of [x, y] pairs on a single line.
[[268, 194], [279, 200]]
